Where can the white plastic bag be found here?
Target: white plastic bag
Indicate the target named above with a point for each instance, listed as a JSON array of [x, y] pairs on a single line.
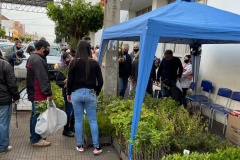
[[50, 121], [179, 85]]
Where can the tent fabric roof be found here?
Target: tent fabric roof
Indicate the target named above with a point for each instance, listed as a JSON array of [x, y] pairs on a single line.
[[188, 20]]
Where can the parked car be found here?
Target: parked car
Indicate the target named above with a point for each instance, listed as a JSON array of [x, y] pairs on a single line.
[[4, 40], [4, 46], [53, 61]]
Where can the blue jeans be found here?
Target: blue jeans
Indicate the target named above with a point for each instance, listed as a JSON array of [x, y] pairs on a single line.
[[123, 86], [33, 121], [80, 98], [5, 119], [68, 111], [164, 91]]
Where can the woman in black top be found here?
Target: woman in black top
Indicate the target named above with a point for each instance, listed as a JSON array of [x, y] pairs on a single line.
[[83, 86]]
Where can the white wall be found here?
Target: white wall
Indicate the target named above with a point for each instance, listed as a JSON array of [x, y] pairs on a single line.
[[220, 63]]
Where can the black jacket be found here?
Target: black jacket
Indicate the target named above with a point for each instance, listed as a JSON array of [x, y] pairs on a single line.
[[125, 68], [8, 86], [135, 71], [170, 69], [61, 76], [177, 95], [38, 82], [77, 77]]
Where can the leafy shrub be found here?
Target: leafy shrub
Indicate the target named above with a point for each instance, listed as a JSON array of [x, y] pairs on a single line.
[[57, 95], [106, 129], [220, 154], [57, 98], [42, 106], [164, 127]]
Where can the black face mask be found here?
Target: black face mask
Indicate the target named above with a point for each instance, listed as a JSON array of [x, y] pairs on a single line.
[[46, 52], [125, 53], [186, 61], [136, 50], [68, 62], [18, 48]]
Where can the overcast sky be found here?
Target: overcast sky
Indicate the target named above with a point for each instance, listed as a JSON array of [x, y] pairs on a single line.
[[34, 22]]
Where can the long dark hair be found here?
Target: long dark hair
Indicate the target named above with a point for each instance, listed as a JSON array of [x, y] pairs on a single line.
[[83, 52]]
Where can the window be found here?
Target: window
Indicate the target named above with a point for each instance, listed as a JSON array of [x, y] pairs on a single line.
[[144, 10]]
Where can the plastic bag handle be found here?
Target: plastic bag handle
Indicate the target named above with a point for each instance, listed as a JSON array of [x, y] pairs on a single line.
[[51, 104]]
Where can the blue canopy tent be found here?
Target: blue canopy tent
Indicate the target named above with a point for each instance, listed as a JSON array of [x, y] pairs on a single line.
[[181, 22]]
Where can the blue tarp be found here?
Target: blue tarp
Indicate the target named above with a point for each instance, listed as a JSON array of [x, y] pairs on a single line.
[[181, 22]]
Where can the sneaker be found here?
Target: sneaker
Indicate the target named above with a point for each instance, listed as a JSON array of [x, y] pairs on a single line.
[[80, 148], [41, 143], [8, 149], [97, 150]]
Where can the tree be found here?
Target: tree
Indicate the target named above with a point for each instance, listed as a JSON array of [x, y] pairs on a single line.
[[43, 38], [22, 38], [75, 18], [2, 32], [29, 39]]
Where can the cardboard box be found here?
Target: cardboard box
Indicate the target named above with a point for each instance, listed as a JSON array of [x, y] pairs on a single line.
[[233, 129]]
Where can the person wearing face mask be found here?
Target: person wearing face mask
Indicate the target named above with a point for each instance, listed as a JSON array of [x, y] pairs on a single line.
[[125, 67], [135, 51], [15, 48], [187, 74], [95, 55], [30, 50], [38, 87], [170, 68], [61, 81]]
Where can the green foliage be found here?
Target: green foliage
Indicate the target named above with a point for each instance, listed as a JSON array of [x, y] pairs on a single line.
[[2, 33], [42, 106], [22, 38], [28, 39], [220, 154], [21, 85], [120, 47], [57, 98], [43, 38], [75, 18], [163, 126], [64, 71], [57, 95], [106, 129]]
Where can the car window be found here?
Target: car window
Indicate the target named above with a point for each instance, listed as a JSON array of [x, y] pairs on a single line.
[[54, 49], [24, 46], [4, 47]]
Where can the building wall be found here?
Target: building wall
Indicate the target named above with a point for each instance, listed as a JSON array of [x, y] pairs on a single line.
[[220, 63], [20, 27]]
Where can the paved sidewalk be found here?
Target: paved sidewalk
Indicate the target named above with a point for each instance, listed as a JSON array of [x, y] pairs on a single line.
[[62, 148]]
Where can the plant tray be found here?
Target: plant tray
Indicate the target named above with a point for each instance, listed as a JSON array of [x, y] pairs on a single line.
[[102, 140]]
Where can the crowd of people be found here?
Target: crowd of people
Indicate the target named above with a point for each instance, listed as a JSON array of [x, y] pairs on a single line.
[[81, 80], [169, 72]]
